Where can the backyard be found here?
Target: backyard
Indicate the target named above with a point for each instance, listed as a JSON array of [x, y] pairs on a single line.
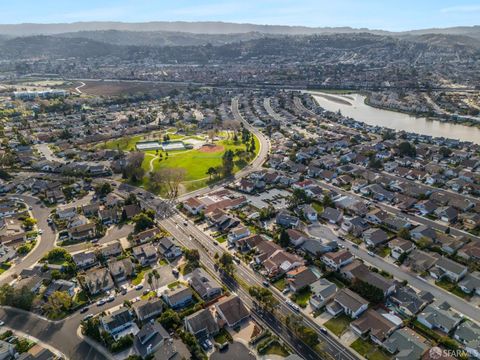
[[368, 350], [338, 325]]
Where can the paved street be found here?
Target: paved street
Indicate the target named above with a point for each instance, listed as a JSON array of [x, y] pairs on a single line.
[[44, 243]]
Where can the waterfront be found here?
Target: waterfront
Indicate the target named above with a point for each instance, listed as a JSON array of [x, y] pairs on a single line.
[[353, 105]]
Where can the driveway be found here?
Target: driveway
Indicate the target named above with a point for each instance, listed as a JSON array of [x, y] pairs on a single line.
[[235, 351]]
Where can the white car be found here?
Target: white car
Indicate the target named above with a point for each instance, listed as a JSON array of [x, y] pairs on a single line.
[[101, 302], [2, 323], [139, 287], [371, 253]]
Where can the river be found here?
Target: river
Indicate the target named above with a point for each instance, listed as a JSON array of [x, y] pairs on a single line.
[[353, 105]]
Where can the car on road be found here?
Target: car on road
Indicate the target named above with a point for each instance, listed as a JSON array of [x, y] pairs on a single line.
[[266, 283], [355, 246], [286, 290], [139, 287], [101, 302], [110, 298], [323, 330], [185, 223], [88, 317], [40, 231], [84, 310], [293, 305], [175, 272], [371, 253], [2, 323], [236, 259]]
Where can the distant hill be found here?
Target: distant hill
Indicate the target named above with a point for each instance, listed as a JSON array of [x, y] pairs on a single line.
[[160, 38], [207, 27]]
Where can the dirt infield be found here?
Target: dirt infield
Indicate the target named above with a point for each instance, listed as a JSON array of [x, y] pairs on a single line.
[[207, 148]]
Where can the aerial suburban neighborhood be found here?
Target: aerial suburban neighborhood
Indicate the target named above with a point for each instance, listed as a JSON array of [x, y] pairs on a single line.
[[231, 191]]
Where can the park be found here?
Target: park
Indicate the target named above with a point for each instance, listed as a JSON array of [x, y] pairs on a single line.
[[200, 157]]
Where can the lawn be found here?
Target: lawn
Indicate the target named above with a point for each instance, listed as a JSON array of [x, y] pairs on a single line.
[[275, 348], [196, 162], [384, 251], [162, 262], [223, 336], [148, 295], [173, 284], [139, 278], [317, 206], [4, 267], [280, 283], [221, 239], [302, 297], [368, 350], [453, 288], [338, 325]]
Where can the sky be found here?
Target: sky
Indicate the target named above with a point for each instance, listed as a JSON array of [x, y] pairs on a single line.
[[390, 15]]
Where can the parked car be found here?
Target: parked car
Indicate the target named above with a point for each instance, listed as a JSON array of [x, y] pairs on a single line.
[[139, 287], [88, 317], [84, 310]]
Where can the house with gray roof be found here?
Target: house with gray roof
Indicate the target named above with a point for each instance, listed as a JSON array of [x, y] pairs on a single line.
[[152, 337], [408, 302], [348, 302], [439, 317], [232, 311], [406, 344], [204, 284], [178, 297], [374, 237], [148, 308], [202, 324], [468, 333], [446, 268], [471, 283], [322, 292]]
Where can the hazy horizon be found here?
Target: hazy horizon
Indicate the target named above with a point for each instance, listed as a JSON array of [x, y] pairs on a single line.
[[372, 14]]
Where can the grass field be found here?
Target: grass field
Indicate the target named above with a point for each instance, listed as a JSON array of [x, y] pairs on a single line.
[[195, 161], [368, 350], [338, 325]]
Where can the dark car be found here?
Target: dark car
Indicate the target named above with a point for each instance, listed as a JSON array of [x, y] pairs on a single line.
[[84, 310]]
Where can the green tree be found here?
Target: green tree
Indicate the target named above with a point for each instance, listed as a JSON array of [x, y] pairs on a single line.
[[404, 234], [29, 222], [170, 319], [227, 163], [226, 262], [103, 189], [284, 239], [405, 148], [142, 222]]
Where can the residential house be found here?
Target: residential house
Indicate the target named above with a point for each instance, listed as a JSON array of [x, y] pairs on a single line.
[[145, 236], [348, 302], [60, 285], [201, 324], [129, 211], [193, 205], [178, 297], [322, 292], [121, 269], [297, 237], [108, 216], [147, 309], [336, 260], [409, 302], [310, 213], [204, 284], [400, 247], [300, 278], [421, 261], [82, 232], [376, 325], [117, 321], [284, 219], [359, 271], [112, 249], [232, 311], [333, 216], [405, 344], [468, 334], [439, 318], [98, 280], [145, 254], [238, 233], [355, 226], [168, 249], [471, 283], [374, 237], [153, 339], [446, 268]]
